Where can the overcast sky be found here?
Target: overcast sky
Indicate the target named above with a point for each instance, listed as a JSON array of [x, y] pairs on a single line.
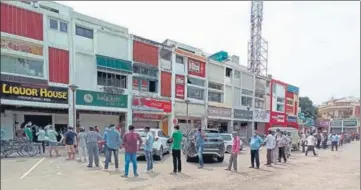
[[312, 45]]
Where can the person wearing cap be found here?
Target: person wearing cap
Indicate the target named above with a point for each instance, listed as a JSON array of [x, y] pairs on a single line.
[[82, 144], [69, 142], [235, 151]]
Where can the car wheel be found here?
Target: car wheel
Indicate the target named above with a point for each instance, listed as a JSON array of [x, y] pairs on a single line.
[[229, 149], [220, 159], [160, 156]]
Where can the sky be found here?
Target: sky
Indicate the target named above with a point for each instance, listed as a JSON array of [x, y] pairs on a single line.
[[312, 45]]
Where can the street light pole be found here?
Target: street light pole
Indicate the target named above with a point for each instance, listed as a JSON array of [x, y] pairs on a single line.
[[73, 89]]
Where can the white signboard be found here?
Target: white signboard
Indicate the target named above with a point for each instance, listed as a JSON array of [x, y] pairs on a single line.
[[261, 116]]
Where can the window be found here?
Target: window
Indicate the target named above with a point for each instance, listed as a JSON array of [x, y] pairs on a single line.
[[228, 72], [84, 32], [237, 74], [259, 103], [195, 93], [112, 79], [246, 101], [247, 92], [280, 107], [195, 81], [289, 102], [145, 71], [179, 59], [54, 24], [152, 86], [281, 100], [260, 94], [27, 67], [63, 27], [144, 85], [215, 97], [215, 86]]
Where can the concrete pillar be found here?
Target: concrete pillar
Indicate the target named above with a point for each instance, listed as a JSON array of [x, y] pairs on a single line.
[[172, 115], [129, 114]]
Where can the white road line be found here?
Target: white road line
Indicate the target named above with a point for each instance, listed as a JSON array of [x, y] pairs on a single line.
[[32, 168]]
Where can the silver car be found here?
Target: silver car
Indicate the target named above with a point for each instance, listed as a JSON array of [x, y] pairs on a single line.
[[213, 146]]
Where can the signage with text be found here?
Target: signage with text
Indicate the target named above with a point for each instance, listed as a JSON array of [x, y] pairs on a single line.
[[350, 123], [243, 114], [196, 68], [219, 112], [101, 99], [277, 118], [179, 86], [261, 116], [147, 116], [336, 123], [29, 92], [322, 123], [190, 55], [151, 105], [18, 45], [292, 119]]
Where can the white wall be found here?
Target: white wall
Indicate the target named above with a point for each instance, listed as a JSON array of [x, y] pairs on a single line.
[[85, 71], [215, 73], [112, 45], [60, 119], [228, 95]]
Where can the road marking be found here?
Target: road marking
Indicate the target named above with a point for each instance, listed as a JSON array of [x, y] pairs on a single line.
[[32, 168]]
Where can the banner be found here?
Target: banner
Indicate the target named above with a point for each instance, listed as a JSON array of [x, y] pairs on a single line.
[[151, 105], [179, 86]]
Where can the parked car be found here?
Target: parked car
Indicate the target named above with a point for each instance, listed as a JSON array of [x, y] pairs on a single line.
[[228, 142], [213, 147], [160, 145]]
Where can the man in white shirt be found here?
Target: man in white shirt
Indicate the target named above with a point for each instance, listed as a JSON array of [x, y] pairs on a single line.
[[311, 141], [270, 143], [303, 142]]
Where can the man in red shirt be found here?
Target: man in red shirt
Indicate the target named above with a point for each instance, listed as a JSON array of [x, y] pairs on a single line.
[[131, 146]]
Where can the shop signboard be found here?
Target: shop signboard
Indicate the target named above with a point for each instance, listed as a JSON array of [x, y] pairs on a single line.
[[143, 116], [278, 118], [261, 116], [322, 123], [242, 114], [336, 123], [219, 112], [22, 46], [350, 123], [196, 68], [179, 86], [151, 105], [101, 99], [30, 92], [292, 119]]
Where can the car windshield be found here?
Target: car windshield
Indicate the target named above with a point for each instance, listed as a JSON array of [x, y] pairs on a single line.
[[226, 137], [212, 133]]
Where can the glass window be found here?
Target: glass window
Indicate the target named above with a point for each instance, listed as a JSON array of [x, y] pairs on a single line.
[[237, 74], [63, 27], [144, 71], [179, 59], [289, 102], [215, 86], [152, 86], [280, 107], [259, 103], [136, 69], [215, 97], [280, 100], [22, 66], [228, 72], [87, 33], [246, 101], [153, 73], [260, 94], [196, 93], [195, 81], [111, 79], [54, 24], [247, 92]]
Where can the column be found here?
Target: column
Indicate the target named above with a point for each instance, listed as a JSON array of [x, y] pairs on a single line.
[[129, 114], [172, 115], [71, 108]]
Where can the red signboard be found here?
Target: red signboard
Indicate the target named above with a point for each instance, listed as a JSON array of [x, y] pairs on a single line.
[[147, 116], [135, 84], [151, 105], [179, 86], [278, 119], [196, 68], [144, 85], [357, 111]]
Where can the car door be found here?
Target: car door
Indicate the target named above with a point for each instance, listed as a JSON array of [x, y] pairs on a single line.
[[163, 140]]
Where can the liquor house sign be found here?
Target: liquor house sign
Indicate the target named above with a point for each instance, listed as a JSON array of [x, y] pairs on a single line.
[[29, 92]]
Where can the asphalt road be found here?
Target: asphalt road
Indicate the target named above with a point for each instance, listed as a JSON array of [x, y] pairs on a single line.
[[330, 170]]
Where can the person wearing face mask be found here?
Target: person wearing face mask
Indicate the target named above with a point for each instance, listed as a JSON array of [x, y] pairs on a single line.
[[199, 138], [255, 144]]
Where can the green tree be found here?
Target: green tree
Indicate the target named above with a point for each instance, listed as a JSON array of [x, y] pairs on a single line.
[[307, 107]]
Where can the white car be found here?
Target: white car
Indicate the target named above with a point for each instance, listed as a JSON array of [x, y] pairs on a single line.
[[160, 145], [228, 142]]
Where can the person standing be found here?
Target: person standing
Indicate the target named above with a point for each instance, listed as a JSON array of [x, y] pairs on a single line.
[[53, 141], [255, 144], [41, 137], [92, 139], [270, 145], [70, 142], [131, 146], [282, 143], [176, 140], [113, 142], [105, 149], [303, 142], [334, 142], [311, 141], [82, 144], [28, 132], [148, 149], [96, 129], [236, 146], [199, 138]]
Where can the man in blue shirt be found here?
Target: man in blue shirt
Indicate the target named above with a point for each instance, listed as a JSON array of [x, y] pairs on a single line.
[[148, 149], [255, 144], [334, 141], [113, 142], [199, 138]]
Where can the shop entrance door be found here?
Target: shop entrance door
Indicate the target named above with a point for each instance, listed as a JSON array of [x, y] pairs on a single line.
[[39, 120]]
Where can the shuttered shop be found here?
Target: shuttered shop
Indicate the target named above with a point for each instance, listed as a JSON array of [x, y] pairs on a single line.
[[145, 53]]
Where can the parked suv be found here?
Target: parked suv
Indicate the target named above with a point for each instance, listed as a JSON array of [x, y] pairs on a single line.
[[228, 142], [160, 145], [213, 145]]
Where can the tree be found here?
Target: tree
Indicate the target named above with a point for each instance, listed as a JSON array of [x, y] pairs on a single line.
[[307, 107]]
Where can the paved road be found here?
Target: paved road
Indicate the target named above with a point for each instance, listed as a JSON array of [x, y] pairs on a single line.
[[330, 170]]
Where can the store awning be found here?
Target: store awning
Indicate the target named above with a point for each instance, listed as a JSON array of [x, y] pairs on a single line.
[[114, 64]]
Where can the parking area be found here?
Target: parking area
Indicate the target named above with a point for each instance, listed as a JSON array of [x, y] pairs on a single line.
[[57, 173]]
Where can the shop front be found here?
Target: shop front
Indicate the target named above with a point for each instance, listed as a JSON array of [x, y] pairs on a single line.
[[151, 112], [219, 118], [322, 124], [350, 126], [100, 108], [277, 120], [40, 104], [292, 122], [242, 122], [191, 112], [261, 118]]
